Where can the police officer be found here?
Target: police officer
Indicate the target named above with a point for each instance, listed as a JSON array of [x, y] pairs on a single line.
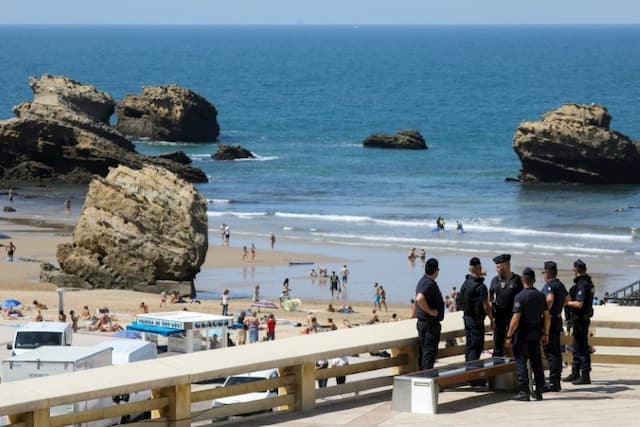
[[581, 310], [474, 301], [530, 312], [429, 308], [556, 295], [504, 288]]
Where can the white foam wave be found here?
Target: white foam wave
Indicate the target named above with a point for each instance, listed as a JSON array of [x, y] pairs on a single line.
[[531, 232], [258, 158], [236, 214], [218, 201], [321, 217]]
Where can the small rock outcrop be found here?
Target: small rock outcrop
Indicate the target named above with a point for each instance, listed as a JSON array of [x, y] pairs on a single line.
[[168, 113], [60, 136], [406, 139], [574, 144], [139, 229], [232, 152]]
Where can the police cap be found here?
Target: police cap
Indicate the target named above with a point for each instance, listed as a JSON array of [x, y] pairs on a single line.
[[550, 266], [502, 258], [431, 266], [474, 261], [529, 273], [580, 265]]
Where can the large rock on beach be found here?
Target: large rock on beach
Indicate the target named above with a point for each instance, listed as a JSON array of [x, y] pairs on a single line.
[[139, 229], [232, 152], [575, 144], [58, 137], [168, 113], [407, 139]]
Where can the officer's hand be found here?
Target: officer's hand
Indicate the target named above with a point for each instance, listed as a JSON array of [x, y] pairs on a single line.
[[508, 343], [545, 340]]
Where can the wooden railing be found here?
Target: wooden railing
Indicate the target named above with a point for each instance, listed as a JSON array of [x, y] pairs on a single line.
[[178, 400]]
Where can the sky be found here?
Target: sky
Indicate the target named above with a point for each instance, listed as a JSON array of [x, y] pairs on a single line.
[[320, 12]]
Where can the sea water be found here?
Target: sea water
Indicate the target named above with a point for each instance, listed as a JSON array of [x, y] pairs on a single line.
[[303, 99]]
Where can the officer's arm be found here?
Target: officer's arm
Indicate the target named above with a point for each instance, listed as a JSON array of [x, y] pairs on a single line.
[[575, 304], [513, 326], [547, 322], [422, 303], [550, 298]]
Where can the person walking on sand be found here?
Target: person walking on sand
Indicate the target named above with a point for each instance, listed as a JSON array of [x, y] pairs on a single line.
[[253, 252], [11, 249], [256, 293], [271, 327], [344, 272], [245, 253], [225, 302], [383, 298], [376, 296], [272, 238]]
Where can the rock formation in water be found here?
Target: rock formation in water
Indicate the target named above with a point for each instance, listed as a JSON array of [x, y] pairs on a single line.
[[232, 152], [406, 139], [168, 113], [64, 135], [575, 144], [139, 229]]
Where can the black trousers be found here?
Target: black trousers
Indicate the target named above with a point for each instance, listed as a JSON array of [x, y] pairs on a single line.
[[524, 350], [553, 351], [501, 320], [474, 333], [581, 354], [428, 340]]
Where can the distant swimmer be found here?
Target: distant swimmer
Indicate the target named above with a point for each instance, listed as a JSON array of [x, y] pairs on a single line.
[[459, 227], [619, 210], [440, 224]]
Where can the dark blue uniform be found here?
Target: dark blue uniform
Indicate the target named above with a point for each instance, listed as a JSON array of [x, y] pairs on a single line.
[[553, 348], [531, 305], [472, 293], [502, 293], [583, 291], [428, 326]]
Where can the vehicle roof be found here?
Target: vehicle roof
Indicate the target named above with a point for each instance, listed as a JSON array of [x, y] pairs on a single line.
[[54, 353], [260, 374], [45, 326]]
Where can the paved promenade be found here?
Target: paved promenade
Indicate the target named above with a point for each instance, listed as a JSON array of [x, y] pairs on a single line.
[[613, 398]]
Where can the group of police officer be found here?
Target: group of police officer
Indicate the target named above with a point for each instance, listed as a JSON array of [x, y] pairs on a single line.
[[521, 318]]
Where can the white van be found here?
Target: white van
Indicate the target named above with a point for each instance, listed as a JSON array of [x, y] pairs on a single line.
[[37, 334], [126, 351], [247, 397]]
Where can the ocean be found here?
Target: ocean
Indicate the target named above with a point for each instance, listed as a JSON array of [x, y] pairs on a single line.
[[303, 98]]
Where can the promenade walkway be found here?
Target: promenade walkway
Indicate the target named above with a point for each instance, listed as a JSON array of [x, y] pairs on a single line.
[[612, 399]]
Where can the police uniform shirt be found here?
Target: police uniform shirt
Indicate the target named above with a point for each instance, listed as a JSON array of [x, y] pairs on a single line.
[[478, 294], [503, 292], [583, 292], [531, 305], [429, 288], [559, 291]]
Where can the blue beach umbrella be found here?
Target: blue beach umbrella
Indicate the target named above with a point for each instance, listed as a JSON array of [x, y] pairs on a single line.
[[10, 303]]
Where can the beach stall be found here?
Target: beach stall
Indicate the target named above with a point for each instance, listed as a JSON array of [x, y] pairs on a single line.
[[184, 330]]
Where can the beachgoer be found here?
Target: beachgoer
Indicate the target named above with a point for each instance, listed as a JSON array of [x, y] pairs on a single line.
[[144, 308], [394, 317], [222, 227], [383, 298], [423, 255], [11, 193], [335, 284], [330, 308], [581, 310], [556, 296], [337, 362], [313, 273], [344, 272], [430, 312], [253, 252], [213, 342], [412, 254], [454, 297], [412, 307], [74, 320], [39, 305], [459, 227], [449, 304], [39, 317], [11, 249], [253, 324], [61, 316], [227, 234], [523, 335], [67, 205], [285, 288], [474, 301], [376, 296], [373, 317], [272, 238], [271, 327], [346, 323], [322, 364], [245, 253], [86, 314], [242, 331], [332, 325], [163, 298], [504, 288], [322, 271], [224, 301]]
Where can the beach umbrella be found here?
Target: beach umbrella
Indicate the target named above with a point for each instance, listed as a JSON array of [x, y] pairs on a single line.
[[127, 333], [264, 304], [10, 303]]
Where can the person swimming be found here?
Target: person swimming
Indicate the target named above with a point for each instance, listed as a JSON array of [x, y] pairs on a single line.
[[459, 227]]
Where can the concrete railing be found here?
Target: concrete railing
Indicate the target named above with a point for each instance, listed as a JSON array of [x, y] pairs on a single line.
[[178, 399]]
